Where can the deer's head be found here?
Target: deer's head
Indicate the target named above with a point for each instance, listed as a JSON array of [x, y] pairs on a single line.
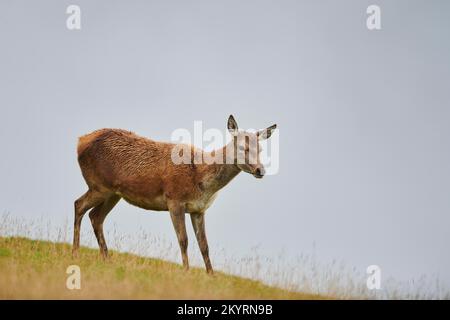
[[247, 147]]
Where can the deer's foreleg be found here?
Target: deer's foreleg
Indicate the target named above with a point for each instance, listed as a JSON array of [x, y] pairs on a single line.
[[198, 222], [177, 213]]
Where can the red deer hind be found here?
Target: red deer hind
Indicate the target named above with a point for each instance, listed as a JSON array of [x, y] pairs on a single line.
[[119, 164]]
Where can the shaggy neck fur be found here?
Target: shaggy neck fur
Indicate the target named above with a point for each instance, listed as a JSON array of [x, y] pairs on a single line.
[[220, 174]]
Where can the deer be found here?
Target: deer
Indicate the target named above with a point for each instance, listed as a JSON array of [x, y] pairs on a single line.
[[118, 164]]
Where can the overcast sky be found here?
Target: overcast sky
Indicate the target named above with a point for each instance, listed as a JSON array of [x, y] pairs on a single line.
[[363, 117]]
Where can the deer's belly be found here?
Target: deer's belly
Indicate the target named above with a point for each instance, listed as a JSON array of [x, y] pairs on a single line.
[[201, 204], [157, 203]]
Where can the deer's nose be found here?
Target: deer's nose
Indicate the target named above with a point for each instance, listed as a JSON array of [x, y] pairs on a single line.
[[259, 172]]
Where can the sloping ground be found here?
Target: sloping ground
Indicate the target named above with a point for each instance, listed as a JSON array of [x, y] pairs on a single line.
[[31, 269]]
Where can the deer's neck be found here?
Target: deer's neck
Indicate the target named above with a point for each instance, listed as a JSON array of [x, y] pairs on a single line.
[[220, 174]]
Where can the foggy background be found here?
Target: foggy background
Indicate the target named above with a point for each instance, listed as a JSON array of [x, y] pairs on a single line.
[[363, 117]]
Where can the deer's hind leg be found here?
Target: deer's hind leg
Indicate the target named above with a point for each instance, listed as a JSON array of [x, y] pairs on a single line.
[[97, 216], [87, 201]]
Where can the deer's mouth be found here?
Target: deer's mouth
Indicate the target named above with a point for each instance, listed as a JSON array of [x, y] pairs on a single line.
[[258, 175]]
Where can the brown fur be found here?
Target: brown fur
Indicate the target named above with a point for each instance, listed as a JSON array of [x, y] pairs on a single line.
[[141, 171], [120, 164]]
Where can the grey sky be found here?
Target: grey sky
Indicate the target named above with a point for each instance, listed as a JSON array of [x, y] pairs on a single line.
[[363, 116]]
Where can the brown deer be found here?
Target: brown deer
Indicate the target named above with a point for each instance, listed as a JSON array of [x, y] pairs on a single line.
[[120, 164]]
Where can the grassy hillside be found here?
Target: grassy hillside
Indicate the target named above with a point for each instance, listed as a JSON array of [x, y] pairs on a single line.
[[37, 270]]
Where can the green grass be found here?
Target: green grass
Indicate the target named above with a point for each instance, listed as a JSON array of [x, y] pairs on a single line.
[[31, 269]]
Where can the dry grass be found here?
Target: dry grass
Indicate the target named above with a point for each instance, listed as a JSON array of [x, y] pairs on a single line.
[[36, 269], [31, 269]]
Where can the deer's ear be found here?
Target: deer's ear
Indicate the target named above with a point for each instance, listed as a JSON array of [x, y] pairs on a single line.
[[232, 125], [266, 133]]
